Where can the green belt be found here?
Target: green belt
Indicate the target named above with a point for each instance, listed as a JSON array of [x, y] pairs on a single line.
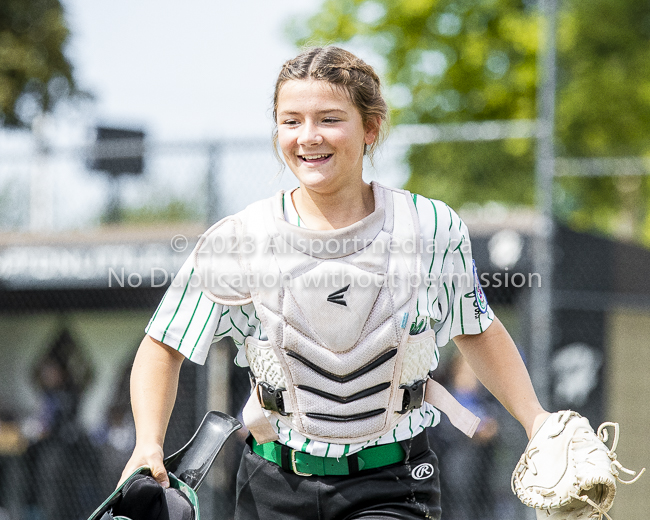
[[304, 464]]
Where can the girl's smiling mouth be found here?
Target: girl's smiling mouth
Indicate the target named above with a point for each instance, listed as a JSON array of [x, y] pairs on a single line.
[[315, 158]]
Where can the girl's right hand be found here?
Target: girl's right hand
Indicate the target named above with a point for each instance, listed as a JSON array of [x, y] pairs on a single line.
[[150, 455]]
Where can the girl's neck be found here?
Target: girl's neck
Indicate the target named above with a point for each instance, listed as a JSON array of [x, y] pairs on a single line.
[[334, 210]]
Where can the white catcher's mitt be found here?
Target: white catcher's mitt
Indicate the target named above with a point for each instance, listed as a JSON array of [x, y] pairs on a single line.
[[567, 471]]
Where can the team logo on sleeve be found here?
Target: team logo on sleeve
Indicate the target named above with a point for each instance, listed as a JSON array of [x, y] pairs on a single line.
[[481, 300]]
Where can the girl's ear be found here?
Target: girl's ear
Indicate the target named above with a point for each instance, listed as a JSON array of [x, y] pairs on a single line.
[[372, 130]]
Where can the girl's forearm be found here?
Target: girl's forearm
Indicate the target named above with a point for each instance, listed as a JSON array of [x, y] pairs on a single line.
[[154, 381], [495, 360]]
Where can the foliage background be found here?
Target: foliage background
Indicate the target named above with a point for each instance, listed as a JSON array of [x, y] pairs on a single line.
[[35, 73], [446, 61]]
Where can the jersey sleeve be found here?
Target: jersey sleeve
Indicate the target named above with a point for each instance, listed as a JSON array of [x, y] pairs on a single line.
[[462, 307], [186, 319], [189, 322]]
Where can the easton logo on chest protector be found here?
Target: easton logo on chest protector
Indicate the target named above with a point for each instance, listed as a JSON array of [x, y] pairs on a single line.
[[338, 296]]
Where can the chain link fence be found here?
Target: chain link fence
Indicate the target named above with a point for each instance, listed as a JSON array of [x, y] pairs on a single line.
[[75, 296]]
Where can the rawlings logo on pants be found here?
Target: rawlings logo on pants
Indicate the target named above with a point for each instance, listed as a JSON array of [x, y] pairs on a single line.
[[422, 472]]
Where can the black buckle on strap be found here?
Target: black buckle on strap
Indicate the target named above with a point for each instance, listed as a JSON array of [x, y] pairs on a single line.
[[271, 397], [413, 396]]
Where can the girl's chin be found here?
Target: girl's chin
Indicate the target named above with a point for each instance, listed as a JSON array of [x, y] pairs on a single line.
[[309, 179], [321, 178], [323, 185]]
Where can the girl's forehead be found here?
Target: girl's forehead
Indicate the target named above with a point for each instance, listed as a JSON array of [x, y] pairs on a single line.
[[310, 93]]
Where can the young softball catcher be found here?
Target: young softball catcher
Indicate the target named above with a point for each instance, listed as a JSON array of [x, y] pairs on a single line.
[[338, 295]]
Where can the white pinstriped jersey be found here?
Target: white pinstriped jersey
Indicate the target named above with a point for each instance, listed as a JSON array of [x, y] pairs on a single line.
[[448, 301]]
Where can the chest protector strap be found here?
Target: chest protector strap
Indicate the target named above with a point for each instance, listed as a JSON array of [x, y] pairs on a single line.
[[436, 395]]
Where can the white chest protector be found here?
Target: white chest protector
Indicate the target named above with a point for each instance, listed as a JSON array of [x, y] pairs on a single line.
[[339, 364]]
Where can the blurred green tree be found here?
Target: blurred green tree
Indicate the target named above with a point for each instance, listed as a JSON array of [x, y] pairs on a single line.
[[448, 61], [604, 111], [34, 71]]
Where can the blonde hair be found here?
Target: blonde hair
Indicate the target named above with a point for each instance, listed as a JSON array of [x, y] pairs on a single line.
[[343, 69]]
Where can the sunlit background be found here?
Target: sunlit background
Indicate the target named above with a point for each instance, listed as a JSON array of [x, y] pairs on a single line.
[[532, 119]]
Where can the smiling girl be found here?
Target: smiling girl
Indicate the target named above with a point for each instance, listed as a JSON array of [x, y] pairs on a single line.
[[337, 318]]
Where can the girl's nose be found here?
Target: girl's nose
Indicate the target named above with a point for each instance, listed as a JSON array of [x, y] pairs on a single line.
[[309, 135]]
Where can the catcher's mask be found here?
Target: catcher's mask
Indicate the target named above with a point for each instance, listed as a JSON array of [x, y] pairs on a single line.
[[140, 497]]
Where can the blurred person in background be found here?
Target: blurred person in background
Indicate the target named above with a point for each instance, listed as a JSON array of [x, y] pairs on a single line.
[[114, 439], [60, 461], [467, 464], [12, 446]]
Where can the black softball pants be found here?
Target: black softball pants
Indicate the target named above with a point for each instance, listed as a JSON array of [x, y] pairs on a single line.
[[407, 490]]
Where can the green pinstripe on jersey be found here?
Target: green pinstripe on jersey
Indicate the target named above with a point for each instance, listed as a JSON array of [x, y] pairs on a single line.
[[259, 335], [203, 329], [449, 241], [190, 322], [238, 330], [221, 334], [460, 309], [153, 318], [451, 299], [462, 255], [462, 321], [433, 251], [178, 306], [415, 329], [247, 317]]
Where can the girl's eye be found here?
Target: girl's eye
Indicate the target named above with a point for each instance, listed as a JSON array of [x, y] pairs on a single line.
[[290, 122], [330, 120]]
